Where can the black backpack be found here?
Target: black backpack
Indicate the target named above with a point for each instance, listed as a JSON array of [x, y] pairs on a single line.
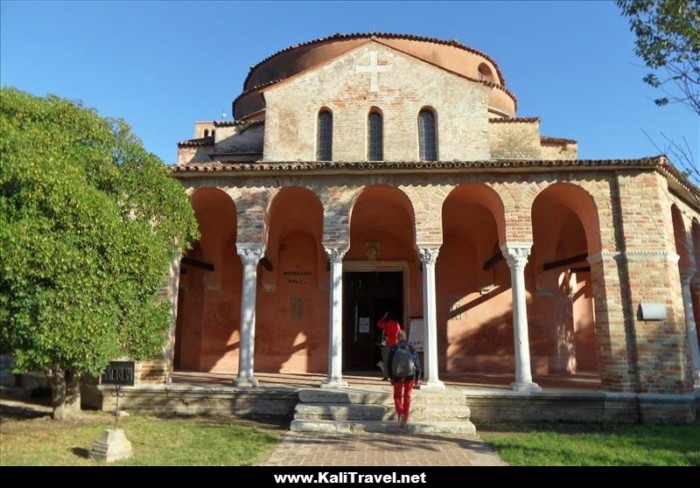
[[402, 363]]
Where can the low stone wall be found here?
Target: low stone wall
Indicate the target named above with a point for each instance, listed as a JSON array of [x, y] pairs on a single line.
[[486, 406], [547, 406], [194, 400]]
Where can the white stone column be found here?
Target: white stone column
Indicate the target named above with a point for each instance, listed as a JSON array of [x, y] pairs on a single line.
[[250, 255], [686, 277], [428, 257], [335, 321], [516, 254], [173, 292]]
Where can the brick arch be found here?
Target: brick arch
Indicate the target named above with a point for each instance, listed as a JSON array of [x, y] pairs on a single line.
[[427, 208], [252, 207], [337, 201], [273, 196], [579, 200], [391, 191], [680, 238], [488, 197]]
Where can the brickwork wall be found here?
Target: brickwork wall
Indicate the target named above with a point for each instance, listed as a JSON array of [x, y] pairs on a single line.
[[556, 151], [628, 252], [652, 264], [515, 140], [461, 108]]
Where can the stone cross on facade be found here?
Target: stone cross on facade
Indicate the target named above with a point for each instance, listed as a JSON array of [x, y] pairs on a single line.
[[373, 69]]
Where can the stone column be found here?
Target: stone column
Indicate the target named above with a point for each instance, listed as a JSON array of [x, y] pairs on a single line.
[[516, 254], [335, 321], [250, 255], [173, 292], [686, 277], [428, 257]]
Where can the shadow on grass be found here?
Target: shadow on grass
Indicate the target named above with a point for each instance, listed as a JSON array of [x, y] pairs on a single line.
[[265, 423], [80, 452]]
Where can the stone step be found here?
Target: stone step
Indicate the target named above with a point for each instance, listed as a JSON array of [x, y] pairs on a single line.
[[417, 427], [379, 396], [327, 411]]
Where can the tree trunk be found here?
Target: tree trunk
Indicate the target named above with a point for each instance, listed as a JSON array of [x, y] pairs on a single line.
[[65, 394]]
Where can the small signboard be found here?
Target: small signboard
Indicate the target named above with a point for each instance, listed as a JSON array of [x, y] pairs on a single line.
[[119, 373], [416, 334], [363, 326]]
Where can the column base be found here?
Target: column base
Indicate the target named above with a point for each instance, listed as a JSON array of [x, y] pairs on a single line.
[[432, 385], [526, 386], [243, 382], [334, 383]]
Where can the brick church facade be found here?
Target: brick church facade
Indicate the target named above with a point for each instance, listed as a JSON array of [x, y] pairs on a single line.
[[367, 173]]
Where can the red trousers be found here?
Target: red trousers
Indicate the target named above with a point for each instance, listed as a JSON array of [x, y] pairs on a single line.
[[402, 397]]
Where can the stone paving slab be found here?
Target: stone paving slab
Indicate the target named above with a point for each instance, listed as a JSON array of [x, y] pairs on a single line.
[[382, 449]]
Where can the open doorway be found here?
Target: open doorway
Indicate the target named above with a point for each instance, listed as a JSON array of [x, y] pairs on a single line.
[[367, 295]]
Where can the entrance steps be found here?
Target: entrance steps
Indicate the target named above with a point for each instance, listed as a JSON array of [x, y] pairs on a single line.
[[372, 410]]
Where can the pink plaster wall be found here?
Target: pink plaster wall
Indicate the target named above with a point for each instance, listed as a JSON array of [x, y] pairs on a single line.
[[209, 314], [292, 305]]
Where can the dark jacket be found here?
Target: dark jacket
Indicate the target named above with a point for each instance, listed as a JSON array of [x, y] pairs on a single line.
[[417, 374]]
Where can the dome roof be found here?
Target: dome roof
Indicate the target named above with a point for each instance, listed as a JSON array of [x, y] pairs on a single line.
[[450, 55]]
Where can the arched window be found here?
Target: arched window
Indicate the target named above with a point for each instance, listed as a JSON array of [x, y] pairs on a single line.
[[485, 73], [375, 137], [324, 141], [427, 142], [206, 132]]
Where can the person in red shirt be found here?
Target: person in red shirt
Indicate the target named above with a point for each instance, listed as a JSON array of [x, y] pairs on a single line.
[[391, 330]]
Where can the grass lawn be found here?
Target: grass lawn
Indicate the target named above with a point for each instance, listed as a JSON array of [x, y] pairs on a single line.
[[31, 439], [595, 445], [156, 441]]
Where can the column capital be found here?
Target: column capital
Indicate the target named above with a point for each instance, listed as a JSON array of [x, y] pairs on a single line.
[[687, 275], [516, 253], [427, 255], [250, 253], [336, 254]]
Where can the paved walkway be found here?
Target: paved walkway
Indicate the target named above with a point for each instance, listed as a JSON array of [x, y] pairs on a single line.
[[382, 449]]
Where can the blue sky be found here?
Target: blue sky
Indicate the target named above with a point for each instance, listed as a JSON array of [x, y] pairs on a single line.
[[164, 65]]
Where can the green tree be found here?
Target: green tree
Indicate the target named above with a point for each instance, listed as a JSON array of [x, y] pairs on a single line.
[[668, 40], [89, 225]]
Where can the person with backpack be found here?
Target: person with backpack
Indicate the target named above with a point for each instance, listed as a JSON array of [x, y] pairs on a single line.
[[404, 368], [390, 330]]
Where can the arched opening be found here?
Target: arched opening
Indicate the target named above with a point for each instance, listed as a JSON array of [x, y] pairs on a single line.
[[208, 318], [485, 73], [427, 136], [380, 273], [324, 136], [475, 332], [562, 322], [375, 135], [292, 314]]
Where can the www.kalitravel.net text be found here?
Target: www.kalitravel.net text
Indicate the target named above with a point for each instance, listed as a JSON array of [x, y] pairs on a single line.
[[350, 477]]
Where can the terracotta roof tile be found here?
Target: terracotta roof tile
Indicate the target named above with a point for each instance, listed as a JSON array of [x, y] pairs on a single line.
[[556, 140], [387, 35], [252, 89], [525, 120], [657, 162], [216, 166], [202, 141]]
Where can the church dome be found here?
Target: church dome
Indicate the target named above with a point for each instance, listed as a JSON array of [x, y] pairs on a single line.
[[450, 55]]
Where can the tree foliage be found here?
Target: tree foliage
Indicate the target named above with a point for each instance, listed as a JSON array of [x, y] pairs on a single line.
[[668, 40], [89, 224]]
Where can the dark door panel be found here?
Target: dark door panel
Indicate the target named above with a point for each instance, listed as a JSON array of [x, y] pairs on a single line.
[[366, 297]]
